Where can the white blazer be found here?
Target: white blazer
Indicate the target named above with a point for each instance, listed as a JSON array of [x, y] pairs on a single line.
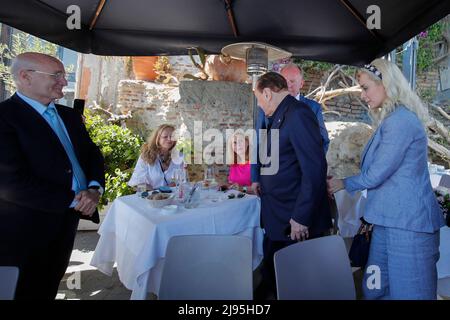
[[152, 174]]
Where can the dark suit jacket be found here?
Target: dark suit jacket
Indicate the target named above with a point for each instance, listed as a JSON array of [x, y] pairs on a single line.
[[35, 171], [298, 190]]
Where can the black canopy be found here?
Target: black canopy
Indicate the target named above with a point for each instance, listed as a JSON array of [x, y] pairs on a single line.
[[324, 30]]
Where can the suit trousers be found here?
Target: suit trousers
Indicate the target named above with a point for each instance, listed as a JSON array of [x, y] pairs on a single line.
[[40, 244], [401, 265]]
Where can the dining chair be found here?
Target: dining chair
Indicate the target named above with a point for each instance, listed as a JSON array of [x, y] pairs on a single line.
[[207, 267], [445, 181], [317, 269], [8, 282]]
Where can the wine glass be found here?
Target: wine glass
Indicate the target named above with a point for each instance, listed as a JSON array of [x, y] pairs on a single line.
[[209, 175], [174, 178]]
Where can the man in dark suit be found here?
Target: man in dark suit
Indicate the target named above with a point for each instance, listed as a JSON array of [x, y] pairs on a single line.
[[294, 201], [51, 173]]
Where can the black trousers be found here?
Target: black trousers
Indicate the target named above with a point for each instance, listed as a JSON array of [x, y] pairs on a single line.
[[268, 282], [40, 244]]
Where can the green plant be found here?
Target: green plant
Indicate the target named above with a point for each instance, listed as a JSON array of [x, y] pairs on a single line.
[[184, 145], [427, 41], [23, 42], [120, 148], [201, 66], [313, 66]]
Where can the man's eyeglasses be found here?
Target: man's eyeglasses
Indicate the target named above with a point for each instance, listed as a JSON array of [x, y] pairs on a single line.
[[57, 75]]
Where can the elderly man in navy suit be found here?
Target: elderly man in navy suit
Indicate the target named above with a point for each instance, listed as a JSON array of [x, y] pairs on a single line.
[[51, 174], [294, 200]]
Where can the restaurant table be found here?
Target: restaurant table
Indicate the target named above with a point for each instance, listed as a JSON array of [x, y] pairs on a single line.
[[134, 235]]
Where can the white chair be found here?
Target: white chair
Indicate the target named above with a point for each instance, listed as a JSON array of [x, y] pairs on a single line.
[[207, 267], [314, 269], [8, 282], [445, 181]]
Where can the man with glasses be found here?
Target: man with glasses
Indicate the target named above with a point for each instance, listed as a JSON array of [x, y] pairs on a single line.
[[51, 174]]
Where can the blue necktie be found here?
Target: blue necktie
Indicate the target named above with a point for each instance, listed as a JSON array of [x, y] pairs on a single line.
[[79, 178]]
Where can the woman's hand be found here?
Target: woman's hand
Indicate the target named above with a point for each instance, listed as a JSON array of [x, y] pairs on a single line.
[[256, 188], [334, 185]]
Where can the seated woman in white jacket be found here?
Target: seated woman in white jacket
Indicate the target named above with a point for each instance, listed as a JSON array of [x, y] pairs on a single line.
[[159, 160]]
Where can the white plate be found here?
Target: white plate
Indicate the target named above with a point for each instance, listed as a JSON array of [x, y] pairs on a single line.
[[169, 209]]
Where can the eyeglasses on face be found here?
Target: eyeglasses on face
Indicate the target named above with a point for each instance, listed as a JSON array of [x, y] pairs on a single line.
[[57, 75]]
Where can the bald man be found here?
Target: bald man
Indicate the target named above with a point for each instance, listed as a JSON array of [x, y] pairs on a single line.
[[294, 77], [51, 174]]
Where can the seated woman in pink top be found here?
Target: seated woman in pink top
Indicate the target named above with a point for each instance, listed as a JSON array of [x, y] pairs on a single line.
[[239, 158]]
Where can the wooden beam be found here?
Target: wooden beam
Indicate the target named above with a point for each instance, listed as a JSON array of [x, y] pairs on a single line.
[[228, 7], [100, 6]]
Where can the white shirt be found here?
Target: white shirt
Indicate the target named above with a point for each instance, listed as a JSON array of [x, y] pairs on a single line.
[[152, 174]]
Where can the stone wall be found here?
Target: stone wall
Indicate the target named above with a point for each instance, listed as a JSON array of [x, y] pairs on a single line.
[[217, 104], [98, 77], [182, 65], [428, 81], [348, 106]]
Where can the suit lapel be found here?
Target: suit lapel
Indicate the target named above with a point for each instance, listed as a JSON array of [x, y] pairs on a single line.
[[38, 121], [278, 119], [45, 131]]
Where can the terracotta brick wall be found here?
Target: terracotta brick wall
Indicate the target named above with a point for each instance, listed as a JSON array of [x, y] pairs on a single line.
[[219, 105]]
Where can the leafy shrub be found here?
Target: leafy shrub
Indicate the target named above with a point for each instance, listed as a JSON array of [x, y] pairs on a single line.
[[120, 148]]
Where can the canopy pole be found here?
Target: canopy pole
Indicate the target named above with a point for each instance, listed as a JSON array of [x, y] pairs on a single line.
[[410, 61], [229, 9], [100, 6]]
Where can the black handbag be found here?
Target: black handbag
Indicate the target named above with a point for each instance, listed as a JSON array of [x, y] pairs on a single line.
[[359, 251]]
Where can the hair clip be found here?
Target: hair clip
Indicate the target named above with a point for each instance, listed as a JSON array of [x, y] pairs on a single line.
[[374, 70]]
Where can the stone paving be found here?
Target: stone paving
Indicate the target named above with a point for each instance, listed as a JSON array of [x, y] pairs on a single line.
[[89, 283]]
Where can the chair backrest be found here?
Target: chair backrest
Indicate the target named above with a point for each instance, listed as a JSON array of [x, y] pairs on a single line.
[[445, 181], [8, 282], [207, 267], [314, 269]]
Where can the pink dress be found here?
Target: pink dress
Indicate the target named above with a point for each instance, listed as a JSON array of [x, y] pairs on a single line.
[[240, 174]]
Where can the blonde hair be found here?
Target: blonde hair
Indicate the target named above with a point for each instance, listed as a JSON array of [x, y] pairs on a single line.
[[398, 92], [151, 149], [231, 155]]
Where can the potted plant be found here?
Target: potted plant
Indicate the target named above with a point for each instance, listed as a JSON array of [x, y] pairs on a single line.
[[143, 67]]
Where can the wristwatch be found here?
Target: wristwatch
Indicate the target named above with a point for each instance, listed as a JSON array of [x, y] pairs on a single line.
[[99, 189]]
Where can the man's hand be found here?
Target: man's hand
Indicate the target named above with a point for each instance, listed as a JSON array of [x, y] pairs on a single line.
[[256, 188], [87, 201], [298, 231]]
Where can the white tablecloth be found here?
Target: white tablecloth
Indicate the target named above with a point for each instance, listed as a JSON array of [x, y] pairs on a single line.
[[135, 236]]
